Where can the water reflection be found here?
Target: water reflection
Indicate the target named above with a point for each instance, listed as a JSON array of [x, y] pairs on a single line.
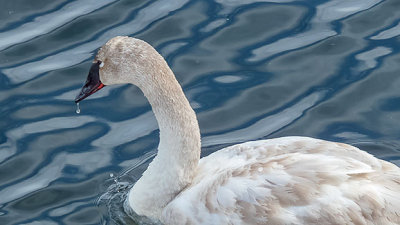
[[389, 33], [320, 27], [266, 125], [76, 55], [228, 79], [9, 148], [251, 69], [48, 22], [369, 58]]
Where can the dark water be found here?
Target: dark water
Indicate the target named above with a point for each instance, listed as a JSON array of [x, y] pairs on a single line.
[[251, 69]]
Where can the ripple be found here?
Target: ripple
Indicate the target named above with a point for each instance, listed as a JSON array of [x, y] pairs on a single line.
[[11, 14], [86, 161], [42, 179], [84, 51], [338, 9], [228, 79], [40, 222], [50, 21], [9, 148], [318, 33], [122, 132], [66, 209], [387, 34], [320, 27], [268, 124], [369, 58], [230, 5], [172, 47], [214, 25]]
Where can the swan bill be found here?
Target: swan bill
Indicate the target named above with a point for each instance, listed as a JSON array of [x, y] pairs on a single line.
[[92, 83]]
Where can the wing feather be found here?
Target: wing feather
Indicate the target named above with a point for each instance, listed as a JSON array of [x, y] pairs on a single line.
[[292, 180]]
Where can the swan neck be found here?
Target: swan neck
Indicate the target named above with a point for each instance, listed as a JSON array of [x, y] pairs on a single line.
[[178, 152]]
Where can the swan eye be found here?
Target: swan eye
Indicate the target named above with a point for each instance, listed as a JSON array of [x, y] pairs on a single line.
[[101, 64]]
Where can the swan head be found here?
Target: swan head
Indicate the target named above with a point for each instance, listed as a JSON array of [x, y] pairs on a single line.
[[121, 60]]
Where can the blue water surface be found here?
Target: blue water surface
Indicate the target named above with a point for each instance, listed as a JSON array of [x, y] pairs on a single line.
[[251, 70]]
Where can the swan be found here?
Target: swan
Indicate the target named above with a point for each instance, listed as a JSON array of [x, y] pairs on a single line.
[[288, 180]]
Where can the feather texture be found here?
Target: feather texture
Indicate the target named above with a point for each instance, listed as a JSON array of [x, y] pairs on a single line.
[[290, 180]]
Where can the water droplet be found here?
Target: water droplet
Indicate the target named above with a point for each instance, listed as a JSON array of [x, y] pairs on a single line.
[[78, 110]]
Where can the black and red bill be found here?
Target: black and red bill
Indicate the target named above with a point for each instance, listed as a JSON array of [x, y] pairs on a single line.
[[92, 83]]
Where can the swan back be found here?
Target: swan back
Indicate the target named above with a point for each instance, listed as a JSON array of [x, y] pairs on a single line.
[[291, 180]]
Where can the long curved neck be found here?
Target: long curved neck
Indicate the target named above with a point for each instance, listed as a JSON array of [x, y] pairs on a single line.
[[179, 149]]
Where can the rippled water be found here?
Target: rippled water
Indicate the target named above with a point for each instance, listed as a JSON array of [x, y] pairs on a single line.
[[251, 69]]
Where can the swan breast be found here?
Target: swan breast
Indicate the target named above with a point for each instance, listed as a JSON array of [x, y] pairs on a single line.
[[291, 180]]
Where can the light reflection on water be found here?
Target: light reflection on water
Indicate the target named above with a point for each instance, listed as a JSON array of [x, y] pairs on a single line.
[[251, 70]]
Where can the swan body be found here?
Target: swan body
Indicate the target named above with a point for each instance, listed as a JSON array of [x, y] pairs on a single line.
[[290, 180]]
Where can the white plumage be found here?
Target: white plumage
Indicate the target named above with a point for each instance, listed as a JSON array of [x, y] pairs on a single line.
[[290, 180]]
